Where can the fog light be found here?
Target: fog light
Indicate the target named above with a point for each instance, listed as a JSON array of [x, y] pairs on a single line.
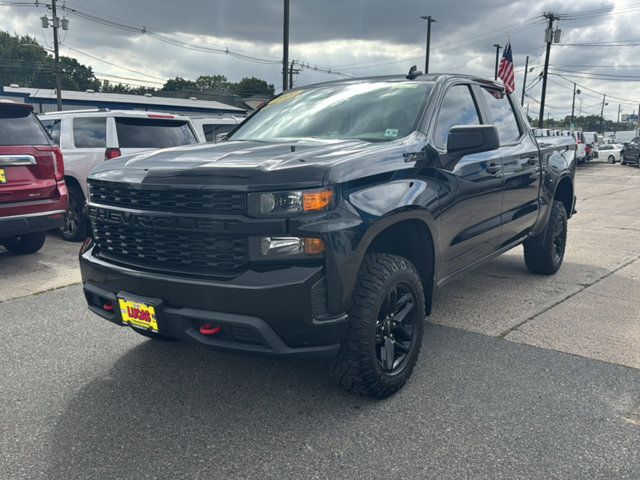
[[281, 246], [286, 248]]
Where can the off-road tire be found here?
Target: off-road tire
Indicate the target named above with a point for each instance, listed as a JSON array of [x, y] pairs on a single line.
[[27, 243], [540, 252], [75, 213], [357, 367]]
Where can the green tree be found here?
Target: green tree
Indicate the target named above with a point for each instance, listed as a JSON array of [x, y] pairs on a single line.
[[217, 83], [252, 86], [178, 84], [25, 62]]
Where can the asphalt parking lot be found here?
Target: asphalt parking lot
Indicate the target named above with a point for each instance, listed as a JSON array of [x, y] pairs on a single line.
[[521, 377]]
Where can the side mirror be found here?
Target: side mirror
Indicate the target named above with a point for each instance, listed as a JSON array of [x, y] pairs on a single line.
[[468, 139]]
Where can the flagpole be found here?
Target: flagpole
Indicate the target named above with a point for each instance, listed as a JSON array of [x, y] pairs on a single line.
[[498, 47]]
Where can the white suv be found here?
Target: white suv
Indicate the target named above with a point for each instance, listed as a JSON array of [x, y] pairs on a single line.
[[214, 129], [90, 137]]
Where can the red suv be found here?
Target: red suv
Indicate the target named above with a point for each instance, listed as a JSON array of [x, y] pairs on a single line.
[[33, 195]]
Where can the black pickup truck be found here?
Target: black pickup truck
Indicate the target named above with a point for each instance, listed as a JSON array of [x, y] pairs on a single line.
[[325, 223]]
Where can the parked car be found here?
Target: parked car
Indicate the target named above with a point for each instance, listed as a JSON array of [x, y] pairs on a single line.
[[631, 153], [623, 137], [591, 143], [90, 137], [581, 147], [610, 152], [542, 132], [33, 195], [325, 224], [214, 129]]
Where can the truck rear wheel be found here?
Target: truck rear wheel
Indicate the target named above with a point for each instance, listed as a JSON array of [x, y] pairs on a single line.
[[386, 325], [543, 254], [27, 243]]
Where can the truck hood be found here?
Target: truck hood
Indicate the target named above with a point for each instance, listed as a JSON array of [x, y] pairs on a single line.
[[243, 165]]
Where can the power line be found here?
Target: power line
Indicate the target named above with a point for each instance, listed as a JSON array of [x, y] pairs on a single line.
[[189, 45], [624, 100], [112, 64]]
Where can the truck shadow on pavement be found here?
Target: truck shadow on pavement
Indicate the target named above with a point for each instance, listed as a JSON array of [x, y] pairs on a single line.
[[179, 402]]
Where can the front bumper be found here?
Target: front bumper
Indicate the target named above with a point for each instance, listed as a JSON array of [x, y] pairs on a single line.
[[281, 312]]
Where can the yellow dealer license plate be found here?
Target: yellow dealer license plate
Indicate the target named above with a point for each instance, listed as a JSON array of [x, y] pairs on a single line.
[[138, 314], [3, 176]]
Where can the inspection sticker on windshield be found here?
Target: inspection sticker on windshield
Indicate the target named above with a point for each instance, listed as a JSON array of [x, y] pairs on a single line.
[[284, 98], [391, 132]]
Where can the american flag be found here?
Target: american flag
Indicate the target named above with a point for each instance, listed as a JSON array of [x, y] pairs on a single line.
[[505, 72]]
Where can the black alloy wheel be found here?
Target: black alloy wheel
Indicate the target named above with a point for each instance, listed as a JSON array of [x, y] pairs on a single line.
[[559, 240], [71, 221], [395, 337], [74, 227]]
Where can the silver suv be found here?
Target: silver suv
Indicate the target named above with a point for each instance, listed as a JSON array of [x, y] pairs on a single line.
[[89, 137]]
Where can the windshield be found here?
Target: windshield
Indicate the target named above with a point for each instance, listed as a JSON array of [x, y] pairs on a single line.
[[375, 111]]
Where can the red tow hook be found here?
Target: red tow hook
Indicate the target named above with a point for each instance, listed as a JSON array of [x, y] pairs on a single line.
[[108, 307], [208, 329]]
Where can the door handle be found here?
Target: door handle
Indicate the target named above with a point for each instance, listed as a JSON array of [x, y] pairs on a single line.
[[492, 169]]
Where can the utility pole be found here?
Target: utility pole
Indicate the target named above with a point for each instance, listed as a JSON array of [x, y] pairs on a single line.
[[573, 103], [285, 46], [549, 38], [429, 20], [524, 82], [56, 53], [604, 97], [498, 47], [619, 106], [56, 23], [292, 71]]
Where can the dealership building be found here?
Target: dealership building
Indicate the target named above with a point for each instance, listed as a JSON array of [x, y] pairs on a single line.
[[44, 100]]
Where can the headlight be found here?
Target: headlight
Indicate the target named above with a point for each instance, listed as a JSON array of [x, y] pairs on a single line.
[[283, 204], [285, 248]]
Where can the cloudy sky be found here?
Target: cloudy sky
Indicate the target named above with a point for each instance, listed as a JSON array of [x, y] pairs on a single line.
[[134, 41]]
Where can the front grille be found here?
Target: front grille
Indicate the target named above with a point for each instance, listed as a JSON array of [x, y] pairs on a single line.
[[186, 252], [168, 200]]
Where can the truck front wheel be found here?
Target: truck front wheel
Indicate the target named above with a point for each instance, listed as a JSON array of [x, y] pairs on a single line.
[[543, 254], [386, 325]]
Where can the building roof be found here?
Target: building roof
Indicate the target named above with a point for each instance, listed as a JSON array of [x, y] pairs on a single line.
[[50, 94]]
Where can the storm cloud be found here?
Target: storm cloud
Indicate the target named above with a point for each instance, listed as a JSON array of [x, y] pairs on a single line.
[[353, 37]]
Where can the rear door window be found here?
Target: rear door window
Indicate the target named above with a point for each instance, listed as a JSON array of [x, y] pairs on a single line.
[[90, 132], [53, 127], [153, 133], [19, 126], [504, 118]]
